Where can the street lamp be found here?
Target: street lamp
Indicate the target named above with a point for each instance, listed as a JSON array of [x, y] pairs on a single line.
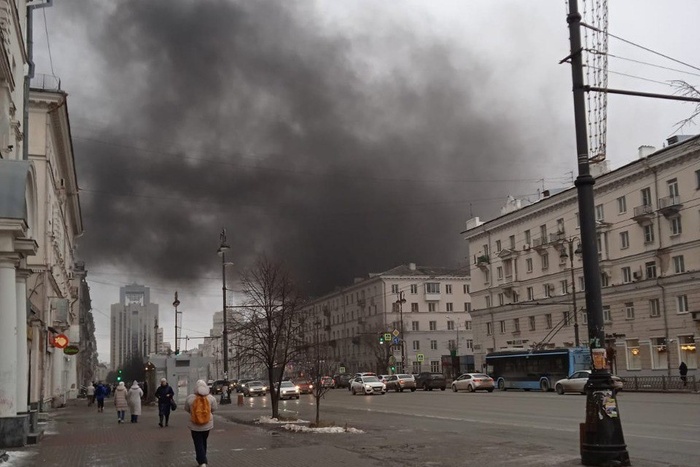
[[456, 367], [176, 303], [401, 300], [223, 248], [563, 254]]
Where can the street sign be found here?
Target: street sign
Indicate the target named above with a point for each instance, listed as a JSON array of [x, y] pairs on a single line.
[[71, 350], [420, 357], [387, 336], [396, 333], [341, 369], [395, 341], [60, 341]]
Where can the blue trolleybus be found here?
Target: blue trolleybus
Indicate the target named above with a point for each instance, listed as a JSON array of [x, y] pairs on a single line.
[[535, 369]]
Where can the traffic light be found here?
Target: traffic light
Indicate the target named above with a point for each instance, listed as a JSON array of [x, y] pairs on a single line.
[[119, 375], [381, 339], [393, 368]]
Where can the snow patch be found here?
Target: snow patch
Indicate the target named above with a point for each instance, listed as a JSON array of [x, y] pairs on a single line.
[[275, 421], [15, 458], [328, 429]]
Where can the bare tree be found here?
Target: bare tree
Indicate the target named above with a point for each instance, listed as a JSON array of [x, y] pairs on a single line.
[[381, 350], [272, 322], [685, 89], [320, 354]]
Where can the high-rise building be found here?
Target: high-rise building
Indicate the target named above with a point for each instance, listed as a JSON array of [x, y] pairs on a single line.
[[134, 325]]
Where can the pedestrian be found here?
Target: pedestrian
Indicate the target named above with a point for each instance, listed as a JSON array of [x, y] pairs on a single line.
[[91, 394], [134, 399], [165, 395], [107, 390], [120, 401], [200, 406], [683, 370], [100, 394]]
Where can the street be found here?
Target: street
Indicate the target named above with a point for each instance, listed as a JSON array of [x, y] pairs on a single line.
[[421, 428]]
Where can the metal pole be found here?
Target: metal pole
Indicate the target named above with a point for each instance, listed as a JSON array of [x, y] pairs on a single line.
[[401, 301], [573, 293], [602, 441], [225, 330], [176, 303]]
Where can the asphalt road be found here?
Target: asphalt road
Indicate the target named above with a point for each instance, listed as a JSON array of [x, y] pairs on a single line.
[[535, 428]]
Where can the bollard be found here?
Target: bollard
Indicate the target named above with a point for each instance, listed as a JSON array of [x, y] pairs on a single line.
[[240, 400]]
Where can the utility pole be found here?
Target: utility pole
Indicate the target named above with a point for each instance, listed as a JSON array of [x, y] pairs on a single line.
[[602, 440], [401, 300], [223, 248], [176, 303]]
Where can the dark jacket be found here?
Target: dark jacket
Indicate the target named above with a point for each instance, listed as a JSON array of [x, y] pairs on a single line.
[[683, 369], [100, 392], [164, 394]]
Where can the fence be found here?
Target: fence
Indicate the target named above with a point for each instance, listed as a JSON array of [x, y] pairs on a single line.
[[660, 383]]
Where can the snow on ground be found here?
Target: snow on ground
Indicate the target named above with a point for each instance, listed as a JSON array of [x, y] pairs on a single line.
[[305, 429], [17, 458]]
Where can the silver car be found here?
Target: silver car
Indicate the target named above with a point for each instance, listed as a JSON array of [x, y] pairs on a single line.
[[471, 382], [367, 385], [577, 382], [289, 390]]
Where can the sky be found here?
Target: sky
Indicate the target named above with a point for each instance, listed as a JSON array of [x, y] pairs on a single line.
[[338, 137]]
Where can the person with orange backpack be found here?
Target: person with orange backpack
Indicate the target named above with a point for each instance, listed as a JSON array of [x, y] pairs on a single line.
[[200, 406]]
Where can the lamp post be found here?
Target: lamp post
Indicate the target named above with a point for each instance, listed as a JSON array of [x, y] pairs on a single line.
[[601, 438], [563, 254], [401, 300], [176, 303], [223, 248]]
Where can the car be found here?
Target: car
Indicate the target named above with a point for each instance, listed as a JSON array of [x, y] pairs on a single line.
[[240, 387], [288, 390], [254, 388], [429, 381], [383, 378], [577, 382], [400, 382], [471, 382], [367, 385], [342, 380], [359, 375], [327, 382], [305, 386], [220, 385]]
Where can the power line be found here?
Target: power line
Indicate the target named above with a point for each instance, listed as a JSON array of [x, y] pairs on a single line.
[[48, 42]]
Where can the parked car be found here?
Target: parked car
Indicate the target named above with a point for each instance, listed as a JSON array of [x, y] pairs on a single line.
[[429, 381], [577, 382], [367, 385], [305, 386], [342, 380], [400, 382], [471, 382], [327, 382], [254, 388], [288, 390]]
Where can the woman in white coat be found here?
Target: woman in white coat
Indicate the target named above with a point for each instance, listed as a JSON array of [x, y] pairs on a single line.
[[134, 400]]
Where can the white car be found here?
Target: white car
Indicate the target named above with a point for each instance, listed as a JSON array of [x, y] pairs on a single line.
[[577, 382], [471, 382], [367, 385], [289, 390]]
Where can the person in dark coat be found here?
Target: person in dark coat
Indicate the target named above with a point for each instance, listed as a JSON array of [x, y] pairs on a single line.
[[683, 370], [100, 394], [164, 395]]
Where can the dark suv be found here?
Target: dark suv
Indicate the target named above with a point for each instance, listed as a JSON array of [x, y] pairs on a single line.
[[429, 381]]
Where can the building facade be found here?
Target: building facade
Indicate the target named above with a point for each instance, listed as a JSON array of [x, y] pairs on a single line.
[[133, 325], [527, 278], [87, 357], [425, 308]]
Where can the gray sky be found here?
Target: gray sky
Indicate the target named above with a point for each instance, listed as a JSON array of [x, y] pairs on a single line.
[[341, 137]]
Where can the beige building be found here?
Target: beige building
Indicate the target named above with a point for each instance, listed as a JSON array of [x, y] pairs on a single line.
[[648, 224], [435, 311]]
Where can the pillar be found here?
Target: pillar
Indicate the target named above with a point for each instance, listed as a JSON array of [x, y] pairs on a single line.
[[8, 339], [22, 350], [57, 377]]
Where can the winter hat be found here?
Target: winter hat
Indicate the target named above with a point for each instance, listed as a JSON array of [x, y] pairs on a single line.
[[163, 380], [121, 384], [135, 384], [201, 388]]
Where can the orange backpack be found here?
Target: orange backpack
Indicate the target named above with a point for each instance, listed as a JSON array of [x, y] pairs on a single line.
[[200, 412]]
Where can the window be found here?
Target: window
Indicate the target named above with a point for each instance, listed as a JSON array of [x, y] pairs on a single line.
[[465, 288], [417, 367], [678, 264], [682, 304], [432, 325], [673, 190], [547, 289], [528, 238], [448, 306], [626, 275], [688, 351], [499, 272], [414, 289], [548, 320], [448, 288], [564, 286], [502, 325], [450, 325], [560, 226], [654, 309], [395, 307], [488, 302], [498, 246], [469, 343], [516, 325], [543, 233], [416, 345], [468, 325], [607, 317], [629, 310], [599, 213], [511, 240], [414, 307], [578, 220], [528, 264], [489, 329], [394, 288], [516, 297], [533, 323], [433, 345], [545, 261], [624, 240], [621, 205], [646, 197], [501, 299], [435, 366], [530, 293], [565, 318], [584, 316], [415, 325], [634, 358], [581, 283], [432, 287], [467, 306], [432, 306], [659, 353], [697, 179], [676, 227], [650, 269]]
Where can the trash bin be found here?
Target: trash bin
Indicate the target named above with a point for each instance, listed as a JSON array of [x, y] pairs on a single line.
[[240, 399]]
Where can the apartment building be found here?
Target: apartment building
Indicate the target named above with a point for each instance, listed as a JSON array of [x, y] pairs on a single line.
[[428, 307], [133, 325], [526, 270]]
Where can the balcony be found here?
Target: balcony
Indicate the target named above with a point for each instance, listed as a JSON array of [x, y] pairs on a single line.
[[670, 205], [695, 315], [539, 244], [361, 303], [482, 262], [643, 214], [557, 238], [326, 311]]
